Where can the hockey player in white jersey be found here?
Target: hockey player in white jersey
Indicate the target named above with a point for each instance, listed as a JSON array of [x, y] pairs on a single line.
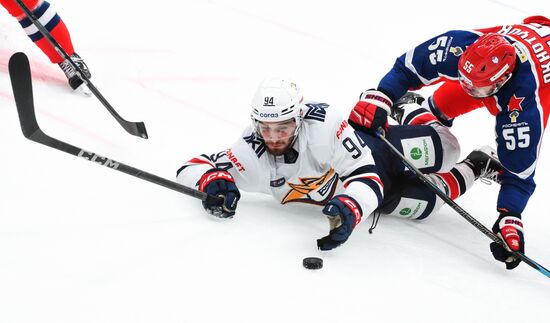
[[305, 152]]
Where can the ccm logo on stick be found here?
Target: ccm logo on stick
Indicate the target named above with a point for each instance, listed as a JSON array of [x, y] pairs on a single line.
[[98, 159]]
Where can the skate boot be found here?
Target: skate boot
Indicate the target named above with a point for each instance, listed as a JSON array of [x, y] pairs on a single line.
[[410, 110], [397, 110], [74, 80], [485, 164]]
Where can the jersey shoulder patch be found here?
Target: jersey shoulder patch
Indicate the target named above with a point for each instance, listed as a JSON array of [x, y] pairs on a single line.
[[316, 111]]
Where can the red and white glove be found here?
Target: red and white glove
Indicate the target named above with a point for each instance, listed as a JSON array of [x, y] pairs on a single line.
[[371, 112], [343, 214], [509, 228], [219, 182]]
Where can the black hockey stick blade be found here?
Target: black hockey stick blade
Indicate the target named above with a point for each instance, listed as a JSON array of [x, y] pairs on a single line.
[[473, 221], [20, 75], [21, 83], [133, 128]]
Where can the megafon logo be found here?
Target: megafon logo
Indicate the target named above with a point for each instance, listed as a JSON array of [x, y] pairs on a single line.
[[416, 153], [98, 159], [269, 115]]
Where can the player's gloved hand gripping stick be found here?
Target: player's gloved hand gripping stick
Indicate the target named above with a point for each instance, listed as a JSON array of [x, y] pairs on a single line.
[[518, 254]]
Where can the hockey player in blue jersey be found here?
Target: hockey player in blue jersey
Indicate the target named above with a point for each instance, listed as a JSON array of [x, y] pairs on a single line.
[[304, 152], [505, 69]]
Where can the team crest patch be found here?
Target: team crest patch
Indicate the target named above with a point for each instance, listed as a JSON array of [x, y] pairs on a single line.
[[313, 190], [316, 111], [514, 107]]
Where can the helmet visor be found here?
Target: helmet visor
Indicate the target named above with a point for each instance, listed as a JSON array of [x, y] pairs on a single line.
[[274, 131], [482, 91]]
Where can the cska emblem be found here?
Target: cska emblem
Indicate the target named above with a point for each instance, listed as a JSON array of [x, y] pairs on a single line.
[[515, 103], [514, 107]]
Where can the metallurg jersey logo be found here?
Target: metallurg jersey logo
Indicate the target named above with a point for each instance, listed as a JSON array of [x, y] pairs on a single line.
[[312, 190]]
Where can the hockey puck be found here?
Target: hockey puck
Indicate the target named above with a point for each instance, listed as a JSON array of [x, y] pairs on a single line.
[[313, 263]]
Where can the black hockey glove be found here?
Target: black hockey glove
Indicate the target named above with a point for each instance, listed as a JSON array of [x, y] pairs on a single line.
[[343, 214], [371, 112], [219, 182], [509, 228]]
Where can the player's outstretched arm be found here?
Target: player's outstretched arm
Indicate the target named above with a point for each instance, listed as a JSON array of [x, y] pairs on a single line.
[[218, 182], [343, 213]]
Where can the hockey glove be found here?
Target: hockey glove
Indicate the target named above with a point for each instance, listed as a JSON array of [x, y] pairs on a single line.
[[509, 228], [371, 112], [343, 214], [220, 183]]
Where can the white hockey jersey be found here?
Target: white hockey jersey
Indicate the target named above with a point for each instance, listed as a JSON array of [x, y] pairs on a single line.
[[327, 158]]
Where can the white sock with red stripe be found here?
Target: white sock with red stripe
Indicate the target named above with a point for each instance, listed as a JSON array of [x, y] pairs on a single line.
[[414, 114], [455, 182]]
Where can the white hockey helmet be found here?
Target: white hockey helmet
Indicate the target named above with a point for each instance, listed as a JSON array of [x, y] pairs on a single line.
[[277, 100]]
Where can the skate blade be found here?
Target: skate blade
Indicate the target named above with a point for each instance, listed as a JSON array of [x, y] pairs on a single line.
[[83, 90]]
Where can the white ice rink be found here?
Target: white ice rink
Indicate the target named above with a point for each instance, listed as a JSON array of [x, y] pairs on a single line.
[[83, 243]]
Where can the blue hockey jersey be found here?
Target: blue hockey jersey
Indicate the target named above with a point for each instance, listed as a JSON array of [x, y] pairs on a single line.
[[521, 106]]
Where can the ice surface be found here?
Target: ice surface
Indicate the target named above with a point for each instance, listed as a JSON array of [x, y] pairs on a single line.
[[82, 243]]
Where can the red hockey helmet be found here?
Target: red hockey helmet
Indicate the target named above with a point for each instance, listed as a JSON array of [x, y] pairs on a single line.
[[486, 65]]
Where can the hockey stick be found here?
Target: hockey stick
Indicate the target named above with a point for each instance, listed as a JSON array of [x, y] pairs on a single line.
[[133, 128], [20, 75], [457, 208]]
